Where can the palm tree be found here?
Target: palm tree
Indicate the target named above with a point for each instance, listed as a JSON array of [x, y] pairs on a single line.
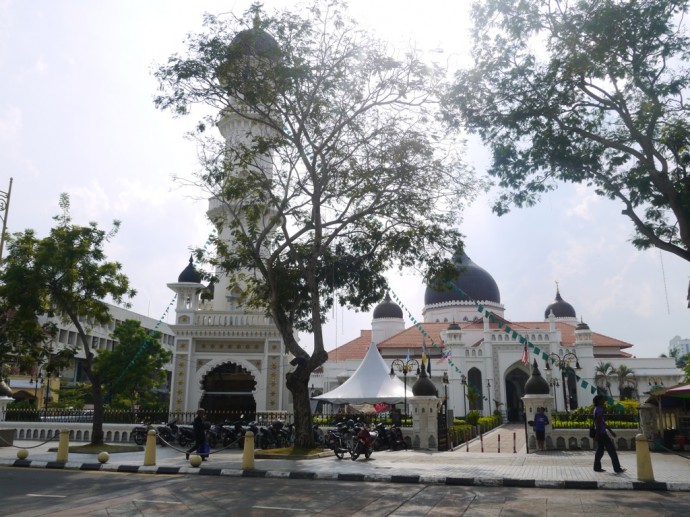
[[626, 379], [602, 375]]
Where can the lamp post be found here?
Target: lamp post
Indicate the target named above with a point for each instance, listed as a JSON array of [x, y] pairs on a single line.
[[445, 381], [563, 364], [488, 392], [405, 366], [463, 380], [553, 382]]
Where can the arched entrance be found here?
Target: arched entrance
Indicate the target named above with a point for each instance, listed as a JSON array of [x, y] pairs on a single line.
[[475, 393], [515, 390], [228, 389]]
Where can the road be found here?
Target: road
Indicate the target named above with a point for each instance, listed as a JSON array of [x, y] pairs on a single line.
[[43, 492]]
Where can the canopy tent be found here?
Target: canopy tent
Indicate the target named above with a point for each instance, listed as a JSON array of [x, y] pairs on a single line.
[[682, 391], [371, 383]]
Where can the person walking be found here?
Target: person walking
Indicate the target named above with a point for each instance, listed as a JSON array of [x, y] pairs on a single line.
[[540, 423], [603, 440], [199, 426]]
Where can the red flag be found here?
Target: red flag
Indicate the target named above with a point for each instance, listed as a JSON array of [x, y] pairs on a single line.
[[525, 357]]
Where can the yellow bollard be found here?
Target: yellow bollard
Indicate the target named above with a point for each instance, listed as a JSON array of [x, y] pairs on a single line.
[[150, 451], [645, 472], [63, 446], [248, 451]]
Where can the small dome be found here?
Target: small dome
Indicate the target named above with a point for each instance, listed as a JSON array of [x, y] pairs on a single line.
[[560, 308], [423, 387], [189, 274], [254, 42], [536, 384], [454, 326], [582, 326], [388, 309], [476, 282]]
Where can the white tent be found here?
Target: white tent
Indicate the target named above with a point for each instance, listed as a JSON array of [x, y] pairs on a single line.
[[371, 383]]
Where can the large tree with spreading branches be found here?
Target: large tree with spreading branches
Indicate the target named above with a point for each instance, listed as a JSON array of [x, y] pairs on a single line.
[[590, 92], [334, 166], [64, 275]]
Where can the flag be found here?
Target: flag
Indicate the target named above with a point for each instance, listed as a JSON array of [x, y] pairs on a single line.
[[525, 357], [445, 356], [408, 355]]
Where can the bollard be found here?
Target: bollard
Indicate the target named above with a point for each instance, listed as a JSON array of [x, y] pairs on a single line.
[[150, 451], [467, 442], [645, 472], [63, 446], [499, 443], [514, 449], [481, 440], [248, 451]]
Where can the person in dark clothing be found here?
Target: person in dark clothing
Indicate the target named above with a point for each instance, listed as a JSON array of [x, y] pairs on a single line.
[[540, 423], [603, 440], [199, 426]]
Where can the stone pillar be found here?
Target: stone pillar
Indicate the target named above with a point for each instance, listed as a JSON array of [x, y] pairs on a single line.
[[425, 422], [3, 405]]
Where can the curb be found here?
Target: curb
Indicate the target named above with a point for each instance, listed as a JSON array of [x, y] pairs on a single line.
[[660, 486]]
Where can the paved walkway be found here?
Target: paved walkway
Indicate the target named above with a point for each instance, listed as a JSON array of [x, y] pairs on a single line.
[[550, 469]]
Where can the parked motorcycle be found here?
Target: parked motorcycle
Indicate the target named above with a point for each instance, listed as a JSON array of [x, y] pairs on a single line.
[[339, 440], [138, 434], [364, 442]]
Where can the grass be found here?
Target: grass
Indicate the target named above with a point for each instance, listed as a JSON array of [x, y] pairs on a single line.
[[294, 451], [90, 448]]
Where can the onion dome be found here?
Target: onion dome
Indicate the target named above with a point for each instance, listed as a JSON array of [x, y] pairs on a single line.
[[454, 326], [560, 308], [536, 384], [388, 309], [423, 387], [472, 280], [189, 274], [582, 326]]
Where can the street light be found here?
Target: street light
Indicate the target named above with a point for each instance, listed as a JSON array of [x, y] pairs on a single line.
[[445, 381], [405, 366], [563, 364], [488, 392], [463, 380], [553, 382]]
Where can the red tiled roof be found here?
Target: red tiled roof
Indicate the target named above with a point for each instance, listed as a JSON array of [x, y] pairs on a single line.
[[355, 349], [411, 338]]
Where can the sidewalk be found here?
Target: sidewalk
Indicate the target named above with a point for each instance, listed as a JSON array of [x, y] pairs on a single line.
[[549, 469]]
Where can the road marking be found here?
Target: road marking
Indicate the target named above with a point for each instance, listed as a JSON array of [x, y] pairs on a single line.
[[45, 495], [280, 508], [155, 501]]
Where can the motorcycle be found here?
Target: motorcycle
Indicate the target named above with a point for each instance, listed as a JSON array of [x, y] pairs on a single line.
[[396, 438], [383, 442], [138, 434], [364, 442], [339, 440]]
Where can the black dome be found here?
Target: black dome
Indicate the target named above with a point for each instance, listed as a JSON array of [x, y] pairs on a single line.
[[189, 274], [423, 387], [560, 308], [388, 309], [476, 282], [536, 384]]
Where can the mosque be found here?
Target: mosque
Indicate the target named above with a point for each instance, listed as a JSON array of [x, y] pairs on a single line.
[[480, 360]]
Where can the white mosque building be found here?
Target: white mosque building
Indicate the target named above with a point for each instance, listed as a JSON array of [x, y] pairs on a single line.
[[472, 346]]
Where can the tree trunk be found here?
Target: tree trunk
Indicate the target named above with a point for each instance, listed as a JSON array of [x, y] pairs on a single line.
[[298, 384], [97, 425]]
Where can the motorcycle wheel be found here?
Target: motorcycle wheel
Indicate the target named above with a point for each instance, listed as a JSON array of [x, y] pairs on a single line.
[[367, 452], [139, 438], [354, 453], [183, 441], [339, 452]]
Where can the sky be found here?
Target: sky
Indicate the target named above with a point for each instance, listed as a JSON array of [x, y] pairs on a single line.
[[77, 116]]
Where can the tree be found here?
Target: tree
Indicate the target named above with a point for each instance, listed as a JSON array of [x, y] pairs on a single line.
[[65, 275], [626, 380], [343, 173], [588, 91], [603, 372], [135, 367]]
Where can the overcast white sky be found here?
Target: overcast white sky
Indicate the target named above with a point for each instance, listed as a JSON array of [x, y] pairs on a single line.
[[76, 116]]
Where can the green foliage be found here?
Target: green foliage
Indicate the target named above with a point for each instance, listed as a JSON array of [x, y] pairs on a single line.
[[472, 418], [135, 367], [587, 92], [65, 275]]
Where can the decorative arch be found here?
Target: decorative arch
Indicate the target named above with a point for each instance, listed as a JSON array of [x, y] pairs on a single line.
[[515, 379], [228, 385]]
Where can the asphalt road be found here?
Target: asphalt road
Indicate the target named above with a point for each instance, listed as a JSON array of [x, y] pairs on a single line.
[[43, 492]]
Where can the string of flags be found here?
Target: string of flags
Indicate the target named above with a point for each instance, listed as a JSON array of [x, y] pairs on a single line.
[[502, 324]]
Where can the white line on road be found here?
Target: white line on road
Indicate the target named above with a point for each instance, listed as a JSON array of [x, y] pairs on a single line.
[[280, 508], [154, 501], [45, 495]]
